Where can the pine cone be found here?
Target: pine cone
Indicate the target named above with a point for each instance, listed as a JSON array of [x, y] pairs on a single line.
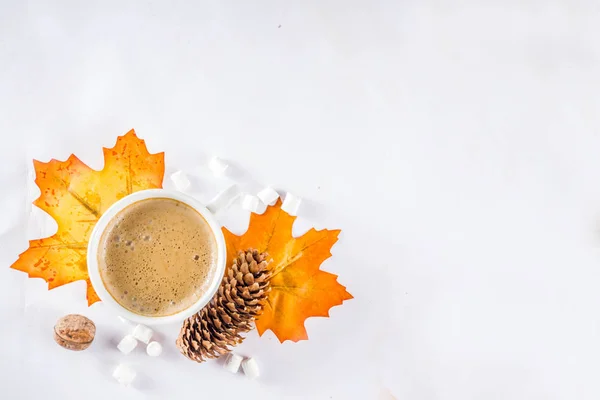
[[237, 303]]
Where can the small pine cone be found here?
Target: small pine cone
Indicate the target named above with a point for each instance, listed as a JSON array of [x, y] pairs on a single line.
[[237, 303]]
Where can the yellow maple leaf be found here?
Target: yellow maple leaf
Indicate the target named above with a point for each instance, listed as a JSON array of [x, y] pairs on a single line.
[[76, 196], [299, 289]]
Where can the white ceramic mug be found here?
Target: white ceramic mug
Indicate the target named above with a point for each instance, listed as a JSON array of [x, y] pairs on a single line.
[[92, 255]]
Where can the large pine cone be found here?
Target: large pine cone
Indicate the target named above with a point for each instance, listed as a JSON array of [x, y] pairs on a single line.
[[238, 302]]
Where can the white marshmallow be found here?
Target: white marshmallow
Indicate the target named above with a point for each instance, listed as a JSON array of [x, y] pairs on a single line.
[[124, 374], [127, 344], [142, 333], [268, 196], [224, 199], [250, 203], [291, 204], [250, 368], [127, 322], [233, 362], [218, 166], [154, 349], [180, 180]]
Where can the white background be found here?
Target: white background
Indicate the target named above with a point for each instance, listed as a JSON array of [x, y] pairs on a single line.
[[455, 143]]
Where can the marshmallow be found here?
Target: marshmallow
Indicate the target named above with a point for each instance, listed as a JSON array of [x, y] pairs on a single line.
[[250, 368], [291, 204], [250, 203], [124, 374], [154, 349], [127, 344], [268, 196], [180, 180], [142, 333], [218, 166], [224, 199], [127, 322], [233, 362]]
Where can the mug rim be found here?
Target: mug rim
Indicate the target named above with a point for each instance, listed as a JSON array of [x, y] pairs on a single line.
[[121, 204]]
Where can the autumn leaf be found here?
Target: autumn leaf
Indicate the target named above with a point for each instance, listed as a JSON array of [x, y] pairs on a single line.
[[299, 289], [76, 196]]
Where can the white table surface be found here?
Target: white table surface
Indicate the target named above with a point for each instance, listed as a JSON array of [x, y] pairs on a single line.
[[456, 144]]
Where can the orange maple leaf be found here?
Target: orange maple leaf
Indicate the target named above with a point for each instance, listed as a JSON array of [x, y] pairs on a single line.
[[299, 289], [76, 196]]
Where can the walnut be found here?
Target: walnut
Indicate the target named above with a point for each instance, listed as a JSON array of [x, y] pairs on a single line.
[[74, 332]]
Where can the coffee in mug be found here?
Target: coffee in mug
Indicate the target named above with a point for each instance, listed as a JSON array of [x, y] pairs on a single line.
[[157, 257]]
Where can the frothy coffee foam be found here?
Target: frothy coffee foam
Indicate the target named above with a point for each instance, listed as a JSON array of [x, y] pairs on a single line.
[[157, 257]]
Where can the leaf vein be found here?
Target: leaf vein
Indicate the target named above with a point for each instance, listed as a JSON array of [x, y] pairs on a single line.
[[84, 203]]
